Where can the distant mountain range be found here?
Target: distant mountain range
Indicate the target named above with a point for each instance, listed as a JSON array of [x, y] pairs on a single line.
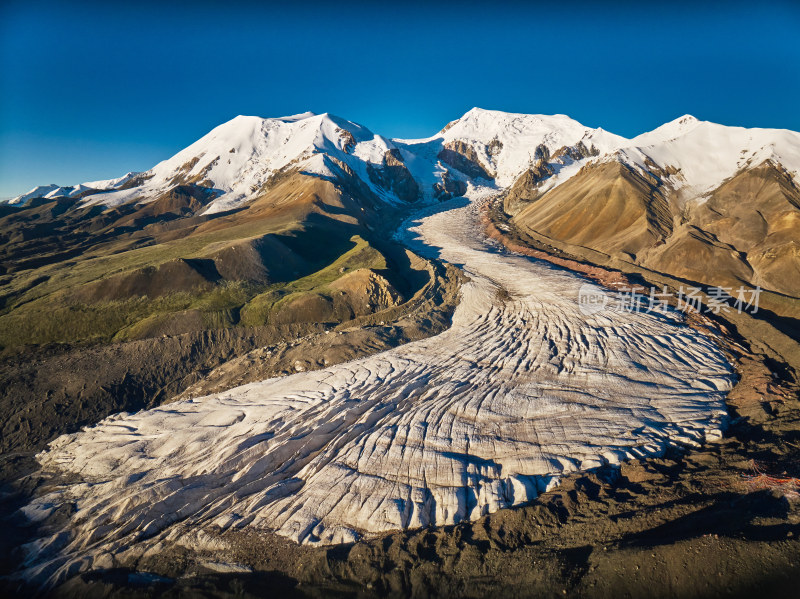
[[703, 202], [689, 158]]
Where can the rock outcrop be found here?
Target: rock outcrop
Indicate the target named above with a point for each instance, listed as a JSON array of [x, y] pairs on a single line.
[[462, 156], [394, 176]]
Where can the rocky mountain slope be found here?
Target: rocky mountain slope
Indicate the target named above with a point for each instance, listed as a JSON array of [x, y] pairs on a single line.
[[199, 239], [703, 202], [263, 232]]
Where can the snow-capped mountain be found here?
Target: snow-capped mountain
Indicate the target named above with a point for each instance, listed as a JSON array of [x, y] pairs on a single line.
[[506, 144], [238, 158], [282, 226], [55, 191], [703, 155], [570, 183], [698, 200], [694, 157]]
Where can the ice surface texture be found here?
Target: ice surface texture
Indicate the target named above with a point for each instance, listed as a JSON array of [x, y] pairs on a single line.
[[521, 389]]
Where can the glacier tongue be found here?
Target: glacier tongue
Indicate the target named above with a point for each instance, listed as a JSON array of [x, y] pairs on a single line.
[[522, 389]]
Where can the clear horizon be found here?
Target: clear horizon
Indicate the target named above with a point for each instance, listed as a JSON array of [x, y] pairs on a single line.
[[92, 91]]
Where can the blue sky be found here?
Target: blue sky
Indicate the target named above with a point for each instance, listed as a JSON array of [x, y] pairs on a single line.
[[91, 91]]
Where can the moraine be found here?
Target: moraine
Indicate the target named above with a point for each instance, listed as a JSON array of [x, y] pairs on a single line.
[[521, 389]]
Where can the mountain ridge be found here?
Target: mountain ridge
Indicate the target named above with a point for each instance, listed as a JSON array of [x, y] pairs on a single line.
[[501, 146], [640, 200]]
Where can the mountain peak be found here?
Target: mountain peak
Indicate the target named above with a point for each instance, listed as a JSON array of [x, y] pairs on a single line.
[[243, 153], [686, 119], [477, 110], [687, 122], [299, 116], [670, 130]]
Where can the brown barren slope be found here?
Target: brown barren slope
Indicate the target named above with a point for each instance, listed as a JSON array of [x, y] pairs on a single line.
[[607, 207], [746, 233]]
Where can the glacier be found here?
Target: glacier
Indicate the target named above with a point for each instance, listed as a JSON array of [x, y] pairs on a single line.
[[521, 390]]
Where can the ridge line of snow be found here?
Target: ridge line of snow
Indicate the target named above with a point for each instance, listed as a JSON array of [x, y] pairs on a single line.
[[241, 154]]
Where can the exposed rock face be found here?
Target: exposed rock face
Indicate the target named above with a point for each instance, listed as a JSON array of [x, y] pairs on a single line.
[[577, 152], [494, 147], [395, 176], [185, 176], [366, 292], [462, 156], [526, 188], [448, 187], [349, 142], [541, 153], [136, 181]]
